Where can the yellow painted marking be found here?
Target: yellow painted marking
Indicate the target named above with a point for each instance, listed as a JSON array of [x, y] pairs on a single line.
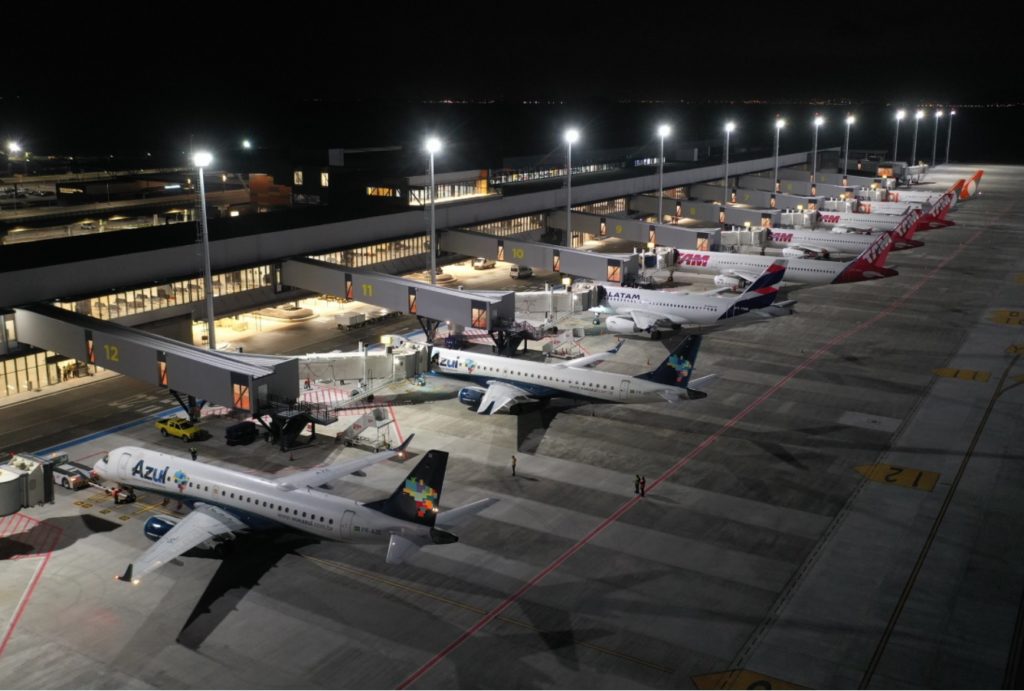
[[965, 374], [105, 510], [911, 478], [1015, 349], [518, 253], [367, 290], [352, 571], [85, 505], [1008, 317], [124, 518], [740, 679], [147, 507], [618, 229], [1019, 378]]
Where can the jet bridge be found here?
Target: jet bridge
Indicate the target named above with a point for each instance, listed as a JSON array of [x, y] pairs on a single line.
[[432, 305], [802, 187], [709, 212], [235, 380], [757, 198], [639, 231], [539, 255], [835, 178]]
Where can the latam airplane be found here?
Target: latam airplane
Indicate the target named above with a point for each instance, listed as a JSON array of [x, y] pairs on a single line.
[[825, 244], [653, 311], [225, 502], [934, 217], [503, 382], [732, 270]]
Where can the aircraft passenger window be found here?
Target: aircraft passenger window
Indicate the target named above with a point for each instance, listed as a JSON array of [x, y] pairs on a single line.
[[206, 488], [286, 509], [249, 499], [264, 503], [303, 514], [331, 521], [321, 519], [232, 495]]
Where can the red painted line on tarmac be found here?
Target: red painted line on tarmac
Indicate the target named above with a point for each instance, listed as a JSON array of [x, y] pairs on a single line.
[[394, 417], [27, 597], [3, 525], [756, 403]]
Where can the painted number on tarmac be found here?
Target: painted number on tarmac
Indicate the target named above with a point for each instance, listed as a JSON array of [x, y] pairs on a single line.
[[911, 478], [965, 374], [740, 679], [1008, 317]]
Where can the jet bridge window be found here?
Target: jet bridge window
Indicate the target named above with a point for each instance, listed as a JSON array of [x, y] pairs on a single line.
[[615, 273]]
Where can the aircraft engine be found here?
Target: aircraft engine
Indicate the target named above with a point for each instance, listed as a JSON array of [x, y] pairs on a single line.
[[471, 396], [621, 325], [158, 526], [731, 282]]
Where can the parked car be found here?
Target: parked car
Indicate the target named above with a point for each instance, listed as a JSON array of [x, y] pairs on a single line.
[[520, 272], [71, 475], [483, 263], [179, 427]]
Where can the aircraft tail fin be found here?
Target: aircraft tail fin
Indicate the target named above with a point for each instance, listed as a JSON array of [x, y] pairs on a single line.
[[870, 263], [970, 188], [763, 291], [417, 499], [675, 370], [936, 215], [908, 225]]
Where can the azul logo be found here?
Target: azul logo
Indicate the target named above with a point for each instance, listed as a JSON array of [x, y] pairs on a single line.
[[781, 237], [682, 366], [453, 363], [148, 472], [690, 259], [180, 479], [830, 218], [424, 496]]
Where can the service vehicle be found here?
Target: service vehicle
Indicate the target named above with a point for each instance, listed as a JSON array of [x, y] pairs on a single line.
[[483, 263], [71, 475], [179, 427]]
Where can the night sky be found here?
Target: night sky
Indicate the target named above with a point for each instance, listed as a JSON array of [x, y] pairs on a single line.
[[97, 70]]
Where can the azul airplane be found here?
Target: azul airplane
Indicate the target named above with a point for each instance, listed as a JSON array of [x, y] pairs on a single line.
[[814, 244], [652, 311], [225, 502], [732, 270], [504, 381]]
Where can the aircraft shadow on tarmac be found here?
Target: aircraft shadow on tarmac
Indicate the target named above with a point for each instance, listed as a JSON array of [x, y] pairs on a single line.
[[53, 534], [248, 558]]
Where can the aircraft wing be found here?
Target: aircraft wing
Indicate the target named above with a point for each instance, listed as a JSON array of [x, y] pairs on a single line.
[[747, 276], [321, 475], [499, 395], [647, 319], [812, 249], [588, 360], [452, 517], [204, 523]]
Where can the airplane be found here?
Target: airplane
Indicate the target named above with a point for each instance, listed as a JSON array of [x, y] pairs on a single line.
[[823, 244], [970, 188], [507, 381], [915, 196], [934, 217], [652, 311], [225, 502], [734, 271]]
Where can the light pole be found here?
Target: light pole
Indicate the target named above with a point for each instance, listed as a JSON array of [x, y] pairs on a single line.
[[663, 131], [433, 145], [13, 148], [729, 127], [917, 121], [846, 160], [818, 122], [202, 159], [779, 124], [900, 114], [572, 135], [935, 135], [949, 133]]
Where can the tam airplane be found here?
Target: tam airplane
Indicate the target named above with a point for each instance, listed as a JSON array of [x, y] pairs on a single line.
[[639, 310], [824, 244], [502, 382], [732, 270], [225, 502], [933, 217]]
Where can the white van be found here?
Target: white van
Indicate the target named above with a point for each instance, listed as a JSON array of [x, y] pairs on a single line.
[[520, 272]]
